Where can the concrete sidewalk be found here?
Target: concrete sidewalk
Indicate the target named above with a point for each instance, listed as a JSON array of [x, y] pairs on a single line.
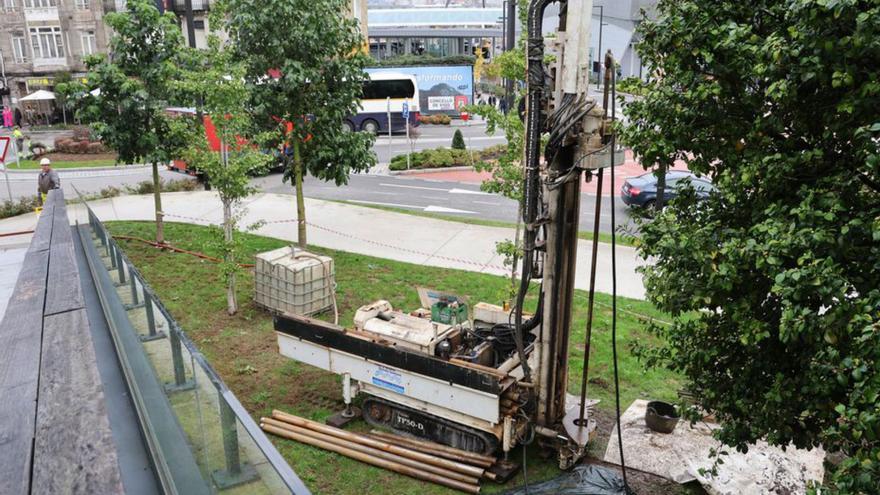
[[362, 230]]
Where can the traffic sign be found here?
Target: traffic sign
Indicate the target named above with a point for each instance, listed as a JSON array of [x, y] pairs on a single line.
[[406, 109], [4, 147]]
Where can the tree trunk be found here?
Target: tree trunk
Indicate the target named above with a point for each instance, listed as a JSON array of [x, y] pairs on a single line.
[[513, 287], [231, 301], [157, 198], [300, 201], [661, 187]]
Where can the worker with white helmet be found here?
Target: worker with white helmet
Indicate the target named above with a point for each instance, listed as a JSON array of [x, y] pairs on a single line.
[[47, 180]]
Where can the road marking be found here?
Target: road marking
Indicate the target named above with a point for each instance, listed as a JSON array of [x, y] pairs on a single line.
[[468, 191], [486, 203], [433, 209], [415, 187], [443, 209], [379, 203]]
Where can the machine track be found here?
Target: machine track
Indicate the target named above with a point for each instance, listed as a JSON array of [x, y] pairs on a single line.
[[404, 420]]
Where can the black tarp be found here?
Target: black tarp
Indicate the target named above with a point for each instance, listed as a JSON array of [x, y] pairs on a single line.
[[582, 480]]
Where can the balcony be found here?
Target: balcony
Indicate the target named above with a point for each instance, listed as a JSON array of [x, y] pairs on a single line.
[[179, 6], [40, 62], [38, 14]]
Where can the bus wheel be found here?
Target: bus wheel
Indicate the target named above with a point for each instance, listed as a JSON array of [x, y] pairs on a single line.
[[370, 126], [347, 126]]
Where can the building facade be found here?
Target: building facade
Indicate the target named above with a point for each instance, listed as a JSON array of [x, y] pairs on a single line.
[[41, 38], [458, 27], [439, 31]]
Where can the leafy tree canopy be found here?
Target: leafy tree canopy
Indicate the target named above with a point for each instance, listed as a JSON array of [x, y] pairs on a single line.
[[304, 62], [131, 86], [775, 281]]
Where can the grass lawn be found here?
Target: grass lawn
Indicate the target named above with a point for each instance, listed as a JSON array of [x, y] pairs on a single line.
[[622, 239], [69, 160], [242, 348]]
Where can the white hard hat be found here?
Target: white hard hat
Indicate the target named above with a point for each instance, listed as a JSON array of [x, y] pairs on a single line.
[[45, 161]]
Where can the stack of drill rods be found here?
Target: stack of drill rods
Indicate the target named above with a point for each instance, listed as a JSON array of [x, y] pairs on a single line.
[[437, 449], [415, 464]]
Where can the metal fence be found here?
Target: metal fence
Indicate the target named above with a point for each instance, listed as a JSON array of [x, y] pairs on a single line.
[[200, 437]]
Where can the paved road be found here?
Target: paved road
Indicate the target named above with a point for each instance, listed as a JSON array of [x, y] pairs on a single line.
[[433, 136], [90, 182], [449, 198], [87, 181]]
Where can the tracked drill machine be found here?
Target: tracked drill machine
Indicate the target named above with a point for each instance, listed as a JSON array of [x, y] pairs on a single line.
[[498, 378]]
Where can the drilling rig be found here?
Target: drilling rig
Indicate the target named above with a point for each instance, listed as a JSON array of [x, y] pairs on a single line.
[[498, 379]]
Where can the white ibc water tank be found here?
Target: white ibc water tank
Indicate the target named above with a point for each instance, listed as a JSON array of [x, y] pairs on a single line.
[[293, 281]]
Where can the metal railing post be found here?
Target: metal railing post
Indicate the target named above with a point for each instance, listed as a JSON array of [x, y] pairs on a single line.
[[111, 252], [230, 439], [134, 292], [120, 265], [152, 332], [235, 473], [180, 382]]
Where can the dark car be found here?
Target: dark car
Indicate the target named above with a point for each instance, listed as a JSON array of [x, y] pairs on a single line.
[[642, 190]]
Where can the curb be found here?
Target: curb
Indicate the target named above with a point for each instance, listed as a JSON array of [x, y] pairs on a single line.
[[75, 169], [429, 170]]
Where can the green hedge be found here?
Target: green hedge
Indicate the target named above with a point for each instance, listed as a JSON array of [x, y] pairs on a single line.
[[416, 60], [14, 208], [632, 85], [445, 157]]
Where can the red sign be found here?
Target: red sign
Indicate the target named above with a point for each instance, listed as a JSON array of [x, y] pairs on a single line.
[[465, 116], [4, 147], [460, 101]]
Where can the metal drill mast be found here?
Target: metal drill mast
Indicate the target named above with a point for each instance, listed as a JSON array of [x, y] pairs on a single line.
[[558, 105]]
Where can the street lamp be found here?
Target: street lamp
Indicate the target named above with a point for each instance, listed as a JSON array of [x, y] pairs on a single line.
[[599, 54], [510, 29]]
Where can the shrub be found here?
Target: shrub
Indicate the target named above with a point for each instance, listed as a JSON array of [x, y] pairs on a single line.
[[95, 148], [24, 205], [416, 60], [632, 85], [79, 147], [81, 133], [436, 119], [146, 187], [436, 158], [493, 152], [37, 148], [63, 145], [458, 140]]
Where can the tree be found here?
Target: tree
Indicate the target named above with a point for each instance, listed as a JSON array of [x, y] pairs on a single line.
[[773, 281], [507, 171], [458, 140], [218, 85], [305, 64], [63, 91], [129, 90]]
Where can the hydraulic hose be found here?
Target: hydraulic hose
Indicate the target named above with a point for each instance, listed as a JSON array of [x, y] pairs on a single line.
[[535, 80]]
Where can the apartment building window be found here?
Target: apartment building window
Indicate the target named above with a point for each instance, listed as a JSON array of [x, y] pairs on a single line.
[[82, 4], [40, 3], [89, 43], [8, 5], [47, 42], [19, 48]]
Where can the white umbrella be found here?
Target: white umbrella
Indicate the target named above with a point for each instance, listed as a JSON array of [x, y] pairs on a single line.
[[39, 95]]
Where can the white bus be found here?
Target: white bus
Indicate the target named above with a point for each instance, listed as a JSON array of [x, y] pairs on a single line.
[[382, 90]]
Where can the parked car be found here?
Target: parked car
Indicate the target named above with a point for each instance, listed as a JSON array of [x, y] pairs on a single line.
[[642, 190]]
